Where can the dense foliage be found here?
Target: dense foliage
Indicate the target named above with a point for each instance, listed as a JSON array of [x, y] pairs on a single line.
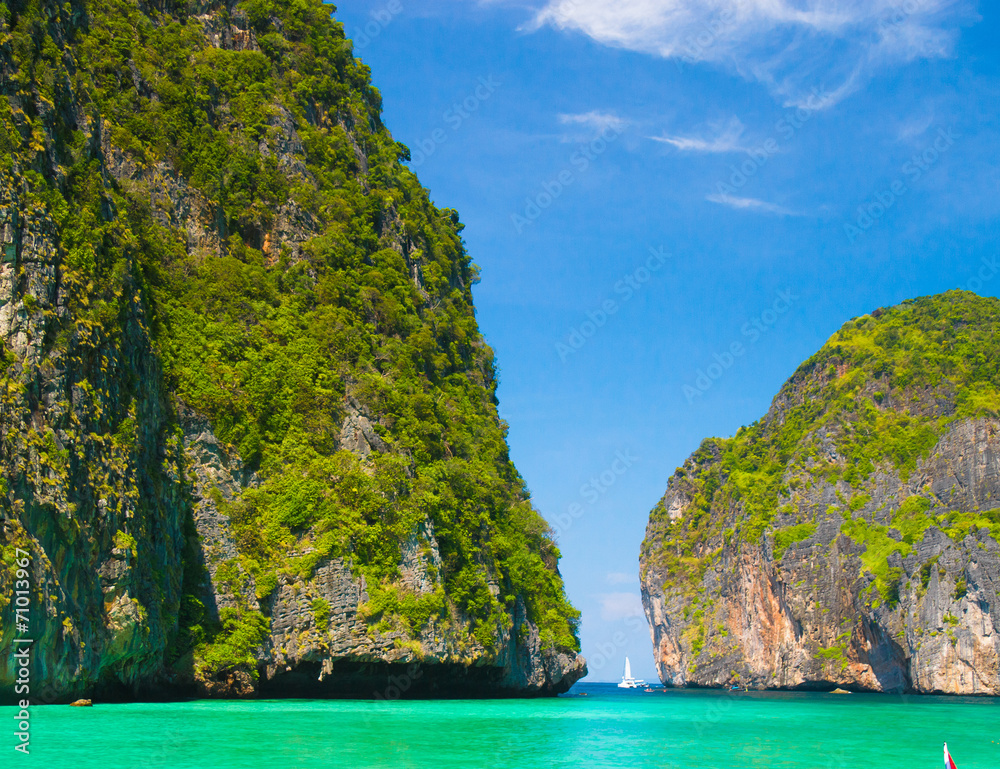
[[878, 396], [367, 302]]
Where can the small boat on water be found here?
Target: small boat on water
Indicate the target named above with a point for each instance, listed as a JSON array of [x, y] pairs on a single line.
[[627, 681]]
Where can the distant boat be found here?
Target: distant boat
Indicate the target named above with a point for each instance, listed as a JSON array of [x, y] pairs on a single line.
[[627, 681]]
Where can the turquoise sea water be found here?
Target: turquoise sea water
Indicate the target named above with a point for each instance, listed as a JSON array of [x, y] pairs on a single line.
[[605, 728]]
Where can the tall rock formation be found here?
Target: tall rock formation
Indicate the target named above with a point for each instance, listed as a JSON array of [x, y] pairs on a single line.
[[248, 425], [850, 537]]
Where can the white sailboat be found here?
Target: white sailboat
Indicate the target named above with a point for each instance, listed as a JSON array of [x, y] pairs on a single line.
[[627, 681]]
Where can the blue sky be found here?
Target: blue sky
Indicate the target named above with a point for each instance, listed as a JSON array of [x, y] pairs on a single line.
[[673, 204]]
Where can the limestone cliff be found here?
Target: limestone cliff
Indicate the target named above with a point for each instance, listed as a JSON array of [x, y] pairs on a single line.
[[849, 538], [248, 425]]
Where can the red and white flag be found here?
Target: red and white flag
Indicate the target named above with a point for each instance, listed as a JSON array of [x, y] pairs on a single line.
[[948, 763]]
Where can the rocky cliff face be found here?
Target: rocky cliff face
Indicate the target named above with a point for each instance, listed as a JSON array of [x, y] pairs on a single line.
[[850, 538], [248, 431]]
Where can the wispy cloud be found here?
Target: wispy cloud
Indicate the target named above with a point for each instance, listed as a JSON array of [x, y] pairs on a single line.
[[596, 121], [915, 127], [751, 204], [619, 606], [726, 141], [621, 578], [789, 45]]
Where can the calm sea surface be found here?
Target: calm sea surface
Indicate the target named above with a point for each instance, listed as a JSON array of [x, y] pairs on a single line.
[[605, 728]]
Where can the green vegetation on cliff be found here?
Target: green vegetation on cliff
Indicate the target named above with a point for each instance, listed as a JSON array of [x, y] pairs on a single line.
[[876, 398], [325, 286]]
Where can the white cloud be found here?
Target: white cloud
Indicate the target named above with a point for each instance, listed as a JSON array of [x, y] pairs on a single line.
[[790, 46], [619, 606], [596, 121], [726, 141], [750, 204]]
